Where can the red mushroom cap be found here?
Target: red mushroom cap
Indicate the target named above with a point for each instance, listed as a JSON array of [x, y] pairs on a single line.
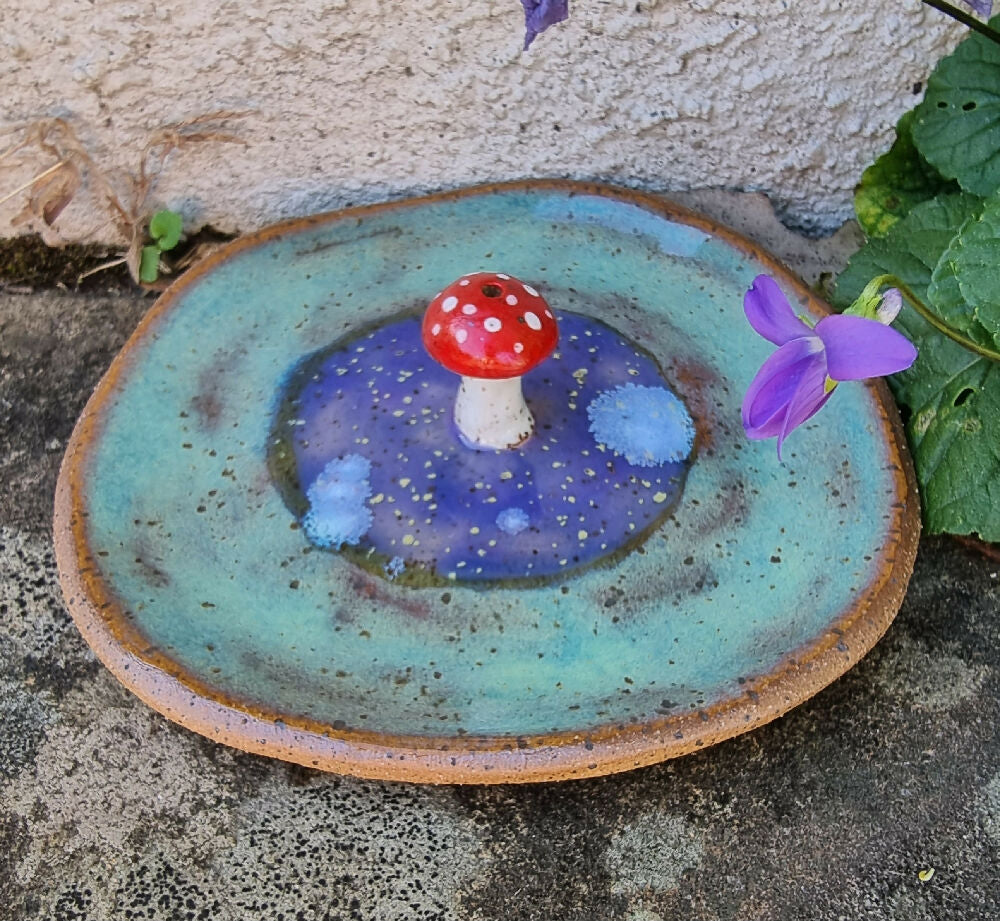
[[489, 325]]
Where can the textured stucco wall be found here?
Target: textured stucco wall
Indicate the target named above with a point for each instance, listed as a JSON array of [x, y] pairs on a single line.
[[353, 101]]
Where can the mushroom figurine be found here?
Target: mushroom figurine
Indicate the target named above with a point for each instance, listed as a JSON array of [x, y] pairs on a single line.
[[491, 329]]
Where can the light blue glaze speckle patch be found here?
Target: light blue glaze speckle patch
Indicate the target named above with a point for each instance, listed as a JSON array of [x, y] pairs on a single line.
[[395, 566], [513, 520], [337, 511], [648, 426]]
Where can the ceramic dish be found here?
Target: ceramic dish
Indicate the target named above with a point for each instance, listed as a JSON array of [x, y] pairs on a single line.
[[184, 559]]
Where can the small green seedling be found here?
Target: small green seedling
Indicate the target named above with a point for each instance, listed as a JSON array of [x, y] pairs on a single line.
[[165, 229]]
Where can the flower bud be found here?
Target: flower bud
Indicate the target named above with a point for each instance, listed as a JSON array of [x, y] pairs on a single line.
[[888, 310]]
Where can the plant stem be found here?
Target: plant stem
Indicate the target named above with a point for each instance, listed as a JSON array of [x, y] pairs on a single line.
[[100, 268], [975, 24], [925, 313]]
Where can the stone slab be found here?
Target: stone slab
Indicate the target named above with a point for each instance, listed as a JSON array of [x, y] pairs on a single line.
[[108, 811]]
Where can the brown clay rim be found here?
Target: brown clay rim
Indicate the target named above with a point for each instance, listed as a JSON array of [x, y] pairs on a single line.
[[187, 699]]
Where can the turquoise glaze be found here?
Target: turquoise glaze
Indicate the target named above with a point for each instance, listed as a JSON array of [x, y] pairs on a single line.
[[192, 536]]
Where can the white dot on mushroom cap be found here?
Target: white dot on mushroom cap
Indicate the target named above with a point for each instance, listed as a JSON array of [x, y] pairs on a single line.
[[532, 320], [531, 290], [449, 304], [492, 325], [548, 313], [518, 347], [461, 335], [468, 309], [511, 299], [464, 281], [504, 277], [435, 329]]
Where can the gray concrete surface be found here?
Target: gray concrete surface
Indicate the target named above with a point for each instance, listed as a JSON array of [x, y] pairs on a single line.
[[108, 811]]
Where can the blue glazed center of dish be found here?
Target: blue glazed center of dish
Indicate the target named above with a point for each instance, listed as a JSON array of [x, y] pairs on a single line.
[[366, 454]]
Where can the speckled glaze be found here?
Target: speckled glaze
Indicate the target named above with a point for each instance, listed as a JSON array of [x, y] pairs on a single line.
[[194, 583], [436, 509]]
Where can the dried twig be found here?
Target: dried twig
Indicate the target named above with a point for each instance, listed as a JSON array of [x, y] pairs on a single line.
[[31, 182], [127, 200], [100, 268]]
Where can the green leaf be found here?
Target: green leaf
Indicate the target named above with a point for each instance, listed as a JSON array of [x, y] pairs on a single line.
[[954, 440], [910, 250], [951, 396], [896, 182], [165, 228], [957, 126], [965, 287], [149, 264]]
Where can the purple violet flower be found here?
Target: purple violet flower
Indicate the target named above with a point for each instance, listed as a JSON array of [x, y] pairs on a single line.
[[983, 8], [540, 14], [795, 382]]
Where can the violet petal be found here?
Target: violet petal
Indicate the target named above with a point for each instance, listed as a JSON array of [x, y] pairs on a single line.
[[857, 348], [540, 14], [810, 397], [775, 385], [892, 304], [983, 7], [770, 314]]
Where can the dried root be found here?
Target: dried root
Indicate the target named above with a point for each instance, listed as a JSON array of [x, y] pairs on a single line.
[[125, 195]]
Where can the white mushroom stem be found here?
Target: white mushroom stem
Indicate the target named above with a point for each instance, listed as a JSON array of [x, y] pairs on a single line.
[[492, 413]]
